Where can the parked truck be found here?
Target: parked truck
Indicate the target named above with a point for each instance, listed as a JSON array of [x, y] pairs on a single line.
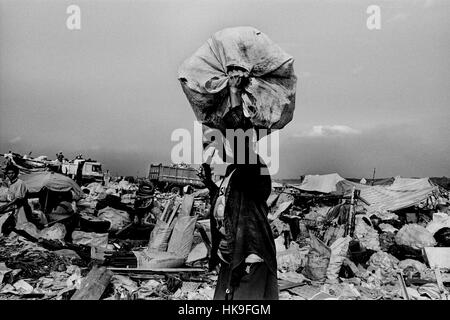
[[173, 177], [91, 172]]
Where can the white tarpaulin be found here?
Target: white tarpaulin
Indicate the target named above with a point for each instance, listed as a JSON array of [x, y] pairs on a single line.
[[403, 193], [320, 183]]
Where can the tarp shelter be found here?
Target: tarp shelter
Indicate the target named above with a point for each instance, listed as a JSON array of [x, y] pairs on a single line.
[[328, 183], [53, 181], [402, 193], [276, 185]]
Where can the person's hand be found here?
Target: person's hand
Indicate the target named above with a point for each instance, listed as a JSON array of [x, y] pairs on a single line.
[[206, 169], [235, 82], [235, 79], [205, 172]]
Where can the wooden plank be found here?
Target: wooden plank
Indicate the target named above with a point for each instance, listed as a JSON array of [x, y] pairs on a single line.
[[143, 276], [403, 286], [93, 286], [155, 270]]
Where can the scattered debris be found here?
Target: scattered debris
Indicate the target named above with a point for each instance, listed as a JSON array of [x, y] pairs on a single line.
[[328, 247]]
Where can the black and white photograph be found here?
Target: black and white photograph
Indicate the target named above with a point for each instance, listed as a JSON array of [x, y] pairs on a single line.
[[211, 152]]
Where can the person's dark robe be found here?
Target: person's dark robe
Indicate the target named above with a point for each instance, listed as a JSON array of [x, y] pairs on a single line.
[[248, 231]]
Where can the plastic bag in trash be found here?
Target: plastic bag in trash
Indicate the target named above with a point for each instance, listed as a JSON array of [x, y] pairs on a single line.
[[339, 250], [440, 220], [413, 265], [293, 258], [117, 218], [55, 232], [318, 260], [90, 238], [385, 262], [367, 235], [415, 236], [29, 228], [268, 97]]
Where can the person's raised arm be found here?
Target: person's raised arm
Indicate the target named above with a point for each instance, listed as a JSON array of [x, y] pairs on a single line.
[[235, 91]]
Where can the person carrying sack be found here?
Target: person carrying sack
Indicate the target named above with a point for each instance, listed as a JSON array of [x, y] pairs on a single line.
[[242, 240]]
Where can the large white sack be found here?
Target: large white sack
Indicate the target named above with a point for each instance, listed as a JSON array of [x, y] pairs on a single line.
[[440, 220], [270, 95], [415, 236], [367, 235], [339, 250], [90, 239], [117, 218], [182, 236], [159, 237], [56, 232], [147, 259]]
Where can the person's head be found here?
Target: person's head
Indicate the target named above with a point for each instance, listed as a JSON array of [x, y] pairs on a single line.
[[236, 119], [11, 172]]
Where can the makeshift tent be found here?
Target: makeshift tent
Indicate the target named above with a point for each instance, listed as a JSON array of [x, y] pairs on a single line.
[[328, 183], [35, 182], [268, 97], [371, 182], [26, 165], [381, 182], [276, 185], [403, 193]]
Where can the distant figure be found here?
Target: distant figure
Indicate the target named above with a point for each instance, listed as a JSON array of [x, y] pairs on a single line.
[[106, 178], [60, 157], [79, 175], [59, 162], [16, 196], [9, 157]]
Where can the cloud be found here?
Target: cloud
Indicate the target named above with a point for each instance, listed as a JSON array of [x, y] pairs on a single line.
[[428, 3], [305, 74], [357, 70], [15, 140], [328, 131]]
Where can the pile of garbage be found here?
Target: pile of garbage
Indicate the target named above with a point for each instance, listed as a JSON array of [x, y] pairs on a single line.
[[344, 252], [134, 242]]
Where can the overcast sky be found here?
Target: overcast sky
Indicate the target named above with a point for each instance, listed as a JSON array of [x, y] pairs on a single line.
[[365, 98]]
